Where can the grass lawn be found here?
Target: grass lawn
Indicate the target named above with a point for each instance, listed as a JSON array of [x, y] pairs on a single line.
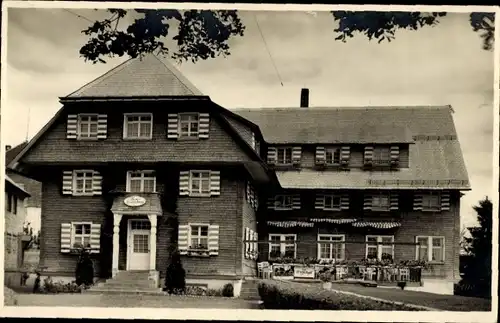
[[442, 302], [127, 300]]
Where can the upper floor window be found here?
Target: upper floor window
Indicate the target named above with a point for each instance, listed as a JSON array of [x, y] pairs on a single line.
[[284, 155], [81, 235], [189, 125], [381, 155], [332, 156], [199, 183], [331, 202], [283, 202], [83, 182], [87, 126], [141, 181], [380, 202], [430, 248], [138, 126], [431, 201], [199, 236]]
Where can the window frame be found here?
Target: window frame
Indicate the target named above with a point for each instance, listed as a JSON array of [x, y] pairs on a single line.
[[78, 172], [379, 208], [90, 136], [15, 202], [138, 114], [430, 247], [199, 236], [332, 208], [143, 172], [180, 122], [283, 208], [428, 195], [379, 245], [283, 244], [324, 235], [377, 150], [285, 149], [333, 150], [74, 235], [200, 191], [8, 205]]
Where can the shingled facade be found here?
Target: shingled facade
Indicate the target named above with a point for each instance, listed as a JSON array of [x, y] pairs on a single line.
[[138, 163]]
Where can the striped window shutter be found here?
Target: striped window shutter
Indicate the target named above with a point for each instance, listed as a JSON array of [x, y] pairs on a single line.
[[204, 127], [215, 182], [272, 155], [67, 182], [394, 154], [296, 155], [253, 143], [394, 201], [248, 192], [102, 126], [247, 244], [320, 155], [95, 238], [213, 240], [71, 126], [319, 202], [367, 202], [344, 202], [182, 240], [65, 237], [445, 201], [255, 201], [368, 157], [271, 203], [345, 154], [184, 183], [97, 183], [256, 244], [173, 126], [296, 202], [251, 244], [418, 200]]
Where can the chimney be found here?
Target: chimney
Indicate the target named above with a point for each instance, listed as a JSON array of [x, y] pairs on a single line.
[[304, 98], [8, 147]]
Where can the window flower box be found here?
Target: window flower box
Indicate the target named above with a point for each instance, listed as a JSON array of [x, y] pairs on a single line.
[[198, 252]]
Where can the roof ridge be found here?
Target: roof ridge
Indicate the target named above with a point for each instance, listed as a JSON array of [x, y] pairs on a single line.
[[102, 77], [180, 77], [388, 107]]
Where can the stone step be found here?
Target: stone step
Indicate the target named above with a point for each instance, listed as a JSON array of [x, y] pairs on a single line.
[[130, 284], [143, 291]]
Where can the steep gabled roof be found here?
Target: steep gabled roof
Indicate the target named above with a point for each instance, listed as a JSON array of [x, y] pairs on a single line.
[[139, 77], [14, 187], [13, 152], [361, 125]]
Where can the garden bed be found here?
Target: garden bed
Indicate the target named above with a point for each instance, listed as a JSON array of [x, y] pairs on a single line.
[[289, 295]]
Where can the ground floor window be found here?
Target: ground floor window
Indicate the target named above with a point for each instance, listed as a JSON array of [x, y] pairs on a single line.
[[430, 248], [379, 247], [282, 245], [198, 236], [329, 250], [81, 235]]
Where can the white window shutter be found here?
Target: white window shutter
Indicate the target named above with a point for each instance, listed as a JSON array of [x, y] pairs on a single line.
[[320, 155], [418, 200], [102, 126], [213, 240], [296, 202], [394, 155], [215, 182], [345, 155], [253, 142], [247, 244], [173, 126], [271, 203], [367, 202], [95, 238], [368, 155], [296, 155], [71, 127], [256, 244], [445, 201], [97, 183], [248, 192], [184, 183], [272, 155], [182, 240], [319, 203], [67, 182], [394, 201], [344, 202], [204, 126], [251, 244], [65, 237]]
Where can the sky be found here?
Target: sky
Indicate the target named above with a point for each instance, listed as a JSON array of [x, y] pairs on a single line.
[[437, 65]]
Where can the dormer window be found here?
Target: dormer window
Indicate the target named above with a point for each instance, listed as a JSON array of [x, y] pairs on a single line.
[[189, 125], [283, 202], [284, 156], [87, 126], [332, 156], [138, 126], [381, 202], [381, 156]]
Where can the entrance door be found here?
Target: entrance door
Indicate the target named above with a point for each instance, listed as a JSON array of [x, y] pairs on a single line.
[[138, 244]]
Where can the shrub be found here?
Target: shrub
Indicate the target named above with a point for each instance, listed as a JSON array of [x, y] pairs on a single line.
[[175, 280], [51, 287], [84, 273], [402, 285], [195, 291], [228, 290], [288, 295]]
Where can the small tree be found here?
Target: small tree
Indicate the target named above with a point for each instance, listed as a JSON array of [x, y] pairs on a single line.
[[175, 280], [84, 273]]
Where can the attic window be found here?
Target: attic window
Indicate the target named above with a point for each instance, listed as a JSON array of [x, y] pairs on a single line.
[[87, 126], [332, 156], [284, 156], [381, 156], [189, 125], [138, 126]]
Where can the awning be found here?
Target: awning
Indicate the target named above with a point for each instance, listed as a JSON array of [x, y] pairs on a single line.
[[290, 224], [335, 221], [376, 224], [137, 204]]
